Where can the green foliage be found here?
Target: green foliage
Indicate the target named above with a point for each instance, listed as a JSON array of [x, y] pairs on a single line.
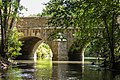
[[14, 45], [44, 51], [9, 10], [35, 15], [94, 19]]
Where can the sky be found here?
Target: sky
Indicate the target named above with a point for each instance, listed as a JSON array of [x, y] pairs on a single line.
[[33, 6]]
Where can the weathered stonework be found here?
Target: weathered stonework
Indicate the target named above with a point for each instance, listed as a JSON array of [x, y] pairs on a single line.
[[35, 31]]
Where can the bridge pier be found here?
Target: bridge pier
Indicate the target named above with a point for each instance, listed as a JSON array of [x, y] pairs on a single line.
[[59, 50]]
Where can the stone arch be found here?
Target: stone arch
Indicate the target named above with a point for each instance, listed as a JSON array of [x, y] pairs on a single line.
[[28, 47], [76, 51], [30, 44], [38, 44]]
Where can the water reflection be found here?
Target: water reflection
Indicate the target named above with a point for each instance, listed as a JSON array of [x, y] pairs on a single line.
[[57, 70], [27, 71], [44, 70], [66, 71], [11, 74]]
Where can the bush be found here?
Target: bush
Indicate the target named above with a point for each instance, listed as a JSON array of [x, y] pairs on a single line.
[[14, 45]]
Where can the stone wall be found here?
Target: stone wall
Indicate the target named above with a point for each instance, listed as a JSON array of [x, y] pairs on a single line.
[[32, 22], [37, 27]]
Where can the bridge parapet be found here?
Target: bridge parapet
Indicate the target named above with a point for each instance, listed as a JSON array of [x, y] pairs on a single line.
[[31, 22]]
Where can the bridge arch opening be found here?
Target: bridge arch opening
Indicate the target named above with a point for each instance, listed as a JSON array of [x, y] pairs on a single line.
[[77, 50], [96, 53], [30, 48], [81, 52], [43, 51]]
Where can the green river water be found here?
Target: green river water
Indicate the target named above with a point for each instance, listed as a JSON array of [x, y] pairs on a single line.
[[57, 70]]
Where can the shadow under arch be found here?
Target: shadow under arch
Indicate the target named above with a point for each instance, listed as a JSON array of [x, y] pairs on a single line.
[[28, 47], [77, 50]]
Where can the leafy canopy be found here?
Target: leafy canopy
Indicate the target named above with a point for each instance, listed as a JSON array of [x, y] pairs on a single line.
[[94, 19]]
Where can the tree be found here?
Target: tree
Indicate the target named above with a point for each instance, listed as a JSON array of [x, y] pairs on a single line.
[[8, 14], [95, 19]]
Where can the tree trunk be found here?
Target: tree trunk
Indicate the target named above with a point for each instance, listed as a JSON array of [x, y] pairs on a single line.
[[110, 42], [2, 36]]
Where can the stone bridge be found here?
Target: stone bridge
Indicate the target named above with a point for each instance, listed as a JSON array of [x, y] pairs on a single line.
[[36, 30]]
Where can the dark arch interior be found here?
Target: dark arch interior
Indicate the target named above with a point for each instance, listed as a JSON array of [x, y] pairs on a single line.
[[28, 47], [75, 51]]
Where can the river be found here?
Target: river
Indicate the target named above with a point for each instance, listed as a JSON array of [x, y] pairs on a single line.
[[57, 70]]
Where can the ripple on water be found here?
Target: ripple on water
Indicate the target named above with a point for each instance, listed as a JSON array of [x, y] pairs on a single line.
[[29, 70], [25, 75], [73, 78]]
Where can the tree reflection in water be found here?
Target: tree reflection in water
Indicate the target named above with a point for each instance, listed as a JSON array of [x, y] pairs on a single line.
[[59, 70]]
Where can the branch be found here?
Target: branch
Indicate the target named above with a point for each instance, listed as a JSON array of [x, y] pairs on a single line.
[[15, 12]]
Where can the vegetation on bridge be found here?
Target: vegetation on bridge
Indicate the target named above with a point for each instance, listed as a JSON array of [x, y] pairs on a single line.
[[96, 21]]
